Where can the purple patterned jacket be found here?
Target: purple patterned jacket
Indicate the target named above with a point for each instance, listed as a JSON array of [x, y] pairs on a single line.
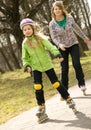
[[65, 36]]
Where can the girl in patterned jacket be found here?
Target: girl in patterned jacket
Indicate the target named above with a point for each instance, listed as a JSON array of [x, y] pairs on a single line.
[[36, 59], [62, 31]]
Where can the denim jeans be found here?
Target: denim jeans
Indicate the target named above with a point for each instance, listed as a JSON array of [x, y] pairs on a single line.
[[75, 55]]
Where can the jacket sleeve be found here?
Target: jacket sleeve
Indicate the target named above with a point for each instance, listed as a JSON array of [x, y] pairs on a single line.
[[54, 34], [52, 48], [25, 57], [77, 29]]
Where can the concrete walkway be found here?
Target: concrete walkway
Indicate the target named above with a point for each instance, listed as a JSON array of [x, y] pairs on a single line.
[[60, 116]]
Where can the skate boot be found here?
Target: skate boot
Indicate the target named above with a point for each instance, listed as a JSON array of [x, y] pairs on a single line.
[[71, 104], [83, 89], [41, 115]]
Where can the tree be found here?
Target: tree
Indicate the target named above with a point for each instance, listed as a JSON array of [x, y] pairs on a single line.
[[80, 12], [11, 13]]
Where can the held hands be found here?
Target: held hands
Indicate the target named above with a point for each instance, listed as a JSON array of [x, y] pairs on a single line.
[[86, 40], [62, 47]]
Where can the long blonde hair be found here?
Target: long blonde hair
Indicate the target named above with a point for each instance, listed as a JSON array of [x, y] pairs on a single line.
[[36, 34], [61, 6]]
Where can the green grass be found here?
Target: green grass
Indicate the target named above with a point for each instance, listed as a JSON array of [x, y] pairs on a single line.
[[17, 93]]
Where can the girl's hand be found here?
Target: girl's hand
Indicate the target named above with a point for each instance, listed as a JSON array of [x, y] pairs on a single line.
[[61, 59], [62, 47], [86, 40], [29, 69]]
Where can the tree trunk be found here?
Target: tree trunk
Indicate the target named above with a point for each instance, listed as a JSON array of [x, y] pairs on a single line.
[[6, 60], [15, 60], [85, 13]]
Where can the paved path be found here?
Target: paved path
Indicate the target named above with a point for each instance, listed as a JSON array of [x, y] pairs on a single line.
[[60, 116]]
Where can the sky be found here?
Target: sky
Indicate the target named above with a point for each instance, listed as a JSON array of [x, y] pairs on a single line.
[[89, 1]]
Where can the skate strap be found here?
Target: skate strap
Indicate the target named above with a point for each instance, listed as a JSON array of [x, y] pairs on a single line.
[[68, 99], [42, 106]]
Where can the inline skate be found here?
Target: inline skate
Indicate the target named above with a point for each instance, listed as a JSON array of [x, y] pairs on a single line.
[[41, 114], [71, 105], [83, 89]]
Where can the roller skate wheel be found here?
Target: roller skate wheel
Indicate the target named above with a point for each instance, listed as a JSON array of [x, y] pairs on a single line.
[[84, 93], [75, 111], [42, 118]]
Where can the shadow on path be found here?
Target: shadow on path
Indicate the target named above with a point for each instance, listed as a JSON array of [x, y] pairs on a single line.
[[82, 121]]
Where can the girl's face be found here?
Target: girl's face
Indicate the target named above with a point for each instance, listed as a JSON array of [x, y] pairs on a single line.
[[57, 11], [27, 30]]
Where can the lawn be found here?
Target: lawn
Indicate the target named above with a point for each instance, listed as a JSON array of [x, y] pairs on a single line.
[[17, 93]]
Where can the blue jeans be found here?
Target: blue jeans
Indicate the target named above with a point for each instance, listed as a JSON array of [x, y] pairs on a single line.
[[75, 55]]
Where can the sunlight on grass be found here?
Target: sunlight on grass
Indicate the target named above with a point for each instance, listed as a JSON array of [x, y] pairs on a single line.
[[17, 93]]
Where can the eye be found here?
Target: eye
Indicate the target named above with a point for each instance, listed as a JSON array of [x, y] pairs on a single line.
[[29, 29], [55, 8], [24, 29]]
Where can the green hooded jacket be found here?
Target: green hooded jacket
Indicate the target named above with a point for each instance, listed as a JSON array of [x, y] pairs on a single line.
[[37, 57]]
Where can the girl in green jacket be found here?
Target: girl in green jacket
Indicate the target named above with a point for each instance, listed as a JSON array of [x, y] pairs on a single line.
[[36, 59]]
